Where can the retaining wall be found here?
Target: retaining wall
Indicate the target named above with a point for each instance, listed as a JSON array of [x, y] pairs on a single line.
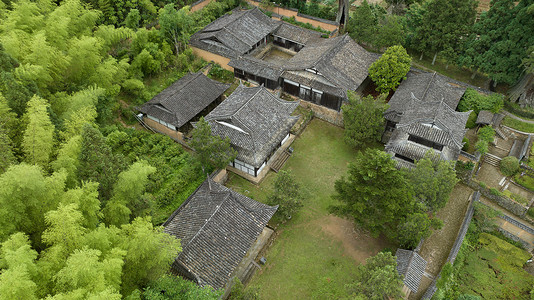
[[292, 12], [200, 5], [323, 113], [509, 204]]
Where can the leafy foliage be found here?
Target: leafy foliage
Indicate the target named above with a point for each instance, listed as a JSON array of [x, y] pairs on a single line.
[[509, 166], [500, 40], [363, 119], [287, 194], [377, 278], [485, 136], [174, 287], [390, 69], [473, 100], [432, 181], [212, 151], [362, 194]]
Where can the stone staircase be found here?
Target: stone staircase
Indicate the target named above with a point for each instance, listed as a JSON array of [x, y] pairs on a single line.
[[492, 159], [280, 160]]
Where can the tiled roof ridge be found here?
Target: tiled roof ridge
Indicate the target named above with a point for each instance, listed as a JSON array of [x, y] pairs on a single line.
[[187, 82], [207, 220], [428, 85], [332, 48]]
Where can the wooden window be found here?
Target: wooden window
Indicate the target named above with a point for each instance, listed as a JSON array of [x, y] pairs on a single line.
[[425, 142]]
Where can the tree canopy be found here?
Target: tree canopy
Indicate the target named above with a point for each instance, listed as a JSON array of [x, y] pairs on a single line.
[[363, 118], [392, 67]]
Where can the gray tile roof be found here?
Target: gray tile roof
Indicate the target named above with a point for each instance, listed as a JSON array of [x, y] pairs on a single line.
[[255, 120], [297, 34], [435, 121], [258, 67], [424, 86], [216, 226], [235, 33], [340, 61], [485, 117], [412, 266], [184, 99]]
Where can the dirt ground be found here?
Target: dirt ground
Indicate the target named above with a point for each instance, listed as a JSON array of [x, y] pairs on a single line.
[[516, 189], [436, 248], [357, 244], [490, 175]]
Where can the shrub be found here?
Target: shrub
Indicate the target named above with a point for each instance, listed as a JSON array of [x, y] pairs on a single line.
[[473, 100], [495, 192], [482, 184], [218, 73], [530, 212], [509, 166], [466, 144], [471, 121]]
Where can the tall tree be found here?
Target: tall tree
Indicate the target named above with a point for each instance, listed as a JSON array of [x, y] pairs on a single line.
[[38, 140], [432, 181], [211, 150], [378, 278], [500, 40], [97, 162], [392, 67], [363, 118], [374, 193], [287, 194], [363, 23], [127, 194], [176, 25], [444, 24], [25, 195]]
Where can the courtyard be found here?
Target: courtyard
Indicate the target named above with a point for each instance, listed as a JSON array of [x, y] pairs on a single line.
[[314, 254]]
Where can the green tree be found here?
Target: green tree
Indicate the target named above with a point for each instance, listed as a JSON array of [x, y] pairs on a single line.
[[149, 253], [486, 135], [17, 259], [363, 196], [127, 194], [176, 25], [500, 40], [68, 160], [390, 69], [86, 200], [378, 278], [287, 194], [473, 100], [444, 24], [96, 161], [64, 227], [174, 287], [417, 226], [363, 23], [363, 118], [38, 140], [25, 195], [432, 181], [509, 166], [212, 151], [390, 32], [132, 19]]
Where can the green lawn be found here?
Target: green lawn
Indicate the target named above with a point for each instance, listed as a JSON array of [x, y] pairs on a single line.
[[519, 125], [315, 254], [495, 270]]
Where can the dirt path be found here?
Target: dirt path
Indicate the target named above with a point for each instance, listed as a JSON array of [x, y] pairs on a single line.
[[356, 243], [436, 248]]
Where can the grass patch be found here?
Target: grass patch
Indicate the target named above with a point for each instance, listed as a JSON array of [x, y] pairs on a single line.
[[495, 270], [525, 181], [305, 262], [518, 125]]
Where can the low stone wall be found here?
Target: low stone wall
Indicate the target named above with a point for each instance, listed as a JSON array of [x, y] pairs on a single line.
[[208, 56], [200, 5], [291, 12], [220, 176], [505, 202], [323, 113]]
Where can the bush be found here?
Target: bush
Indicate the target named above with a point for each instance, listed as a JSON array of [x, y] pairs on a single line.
[[218, 73], [509, 166], [530, 212], [473, 100], [287, 194], [471, 121], [495, 192], [466, 144]]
